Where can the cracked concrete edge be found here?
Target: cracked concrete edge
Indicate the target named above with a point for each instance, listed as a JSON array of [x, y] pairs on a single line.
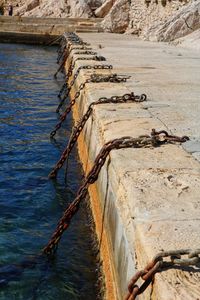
[[131, 234]]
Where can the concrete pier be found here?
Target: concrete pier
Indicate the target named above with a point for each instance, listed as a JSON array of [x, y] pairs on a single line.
[[145, 200], [32, 30]]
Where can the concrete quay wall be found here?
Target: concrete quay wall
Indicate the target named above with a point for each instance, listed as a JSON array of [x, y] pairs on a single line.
[[145, 200], [56, 26], [44, 20], [32, 30]]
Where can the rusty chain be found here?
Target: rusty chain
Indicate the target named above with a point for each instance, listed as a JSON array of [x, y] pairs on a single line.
[[88, 67], [73, 63], [62, 90], [60, 68], [114, 78], [55, 40], [85, 52], [156, 139], [79, 127], [62, 58], [102, 100], [67, 45], [83, 48], [67, 53], [94, 78], [72, 102], [63, 53], [158, 264], [67, 41]]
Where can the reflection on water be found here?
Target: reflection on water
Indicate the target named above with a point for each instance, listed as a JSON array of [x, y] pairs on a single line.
[[30, 204]]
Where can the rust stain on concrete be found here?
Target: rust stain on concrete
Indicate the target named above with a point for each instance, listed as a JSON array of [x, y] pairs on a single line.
[[105, 249]]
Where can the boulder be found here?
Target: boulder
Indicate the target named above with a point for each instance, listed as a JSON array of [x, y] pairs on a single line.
[[184, 22], [32, 4], [104, 9], [118, 18], [80, 8], [60, 8], [48, 9]]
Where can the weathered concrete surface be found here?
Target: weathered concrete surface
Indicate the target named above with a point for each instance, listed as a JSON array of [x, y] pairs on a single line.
[[148, 199]]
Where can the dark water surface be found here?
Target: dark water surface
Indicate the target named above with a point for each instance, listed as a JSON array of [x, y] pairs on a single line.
[[30, 204]]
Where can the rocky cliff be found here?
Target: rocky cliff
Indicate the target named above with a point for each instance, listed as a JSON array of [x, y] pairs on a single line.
[[58, 8], [156, 20]]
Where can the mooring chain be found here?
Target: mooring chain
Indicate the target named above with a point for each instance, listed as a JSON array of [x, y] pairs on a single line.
[[87, 67], [65, 90], [65, 46], [72, 102], [67, 35], [62, 58], [73, 63], [72, 37], [61, 54], [80, 48], [85, 52], [103, 100], [114, 78], [71, 47], [94, 78], [65, 53], [158, 264], [62, 90], [79, 127], [56, 40], [76, 43], [156, 139], [62, 64]]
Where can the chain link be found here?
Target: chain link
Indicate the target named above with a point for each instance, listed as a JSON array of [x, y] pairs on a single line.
[[72, 102], [63, 90], [85, 53], [83, 48], [156, 139], [73, 63], [67, 43], [158, 264], [94, 78], [163, 260], [88, 67], [79, 127], [114, 78], [103, 100]]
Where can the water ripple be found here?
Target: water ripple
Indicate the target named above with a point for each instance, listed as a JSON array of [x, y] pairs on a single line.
[[30, 204]]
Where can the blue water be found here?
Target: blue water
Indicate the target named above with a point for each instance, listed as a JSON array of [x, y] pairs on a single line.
[[30, 204]]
